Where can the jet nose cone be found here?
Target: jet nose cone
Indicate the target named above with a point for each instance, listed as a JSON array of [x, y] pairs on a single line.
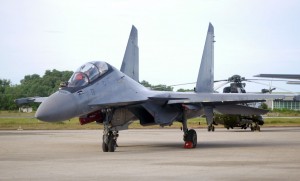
[[59, 106]]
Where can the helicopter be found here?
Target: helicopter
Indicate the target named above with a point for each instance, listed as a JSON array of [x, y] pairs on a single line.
[[253, 122], [231, 121], [237, 85]]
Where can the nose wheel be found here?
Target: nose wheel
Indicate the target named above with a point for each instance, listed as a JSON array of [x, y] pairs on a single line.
[[109, 143]]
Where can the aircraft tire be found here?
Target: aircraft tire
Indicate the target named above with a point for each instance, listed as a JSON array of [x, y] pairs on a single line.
[[192, 137], [104, 147], [111, 145]]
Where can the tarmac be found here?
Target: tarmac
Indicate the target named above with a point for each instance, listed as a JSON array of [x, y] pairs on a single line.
[[151, 154]]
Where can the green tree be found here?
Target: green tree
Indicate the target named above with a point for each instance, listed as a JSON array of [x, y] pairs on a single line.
[[4, 98], [162, 87], [3, 84], [31, 85], [185, 90], [159, 87], [146, 84], [263, 106]]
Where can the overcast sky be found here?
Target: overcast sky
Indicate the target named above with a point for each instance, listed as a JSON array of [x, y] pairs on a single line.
[[252, 37]]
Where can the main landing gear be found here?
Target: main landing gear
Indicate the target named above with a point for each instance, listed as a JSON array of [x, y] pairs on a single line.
[[210, 128], [256, 127], [189, 136], [110, 135]]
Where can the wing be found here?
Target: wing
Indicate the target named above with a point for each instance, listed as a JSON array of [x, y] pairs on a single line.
[[243, 110], [214, 98], [27, 100], [223, 103]]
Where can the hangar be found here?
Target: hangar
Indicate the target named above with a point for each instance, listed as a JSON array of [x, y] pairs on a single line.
[[287, 103]]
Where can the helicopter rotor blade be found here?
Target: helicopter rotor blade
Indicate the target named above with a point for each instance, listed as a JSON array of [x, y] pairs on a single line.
[[194, 83], [221, 85], [267, 79], [221, 80], [249, 80], [273, 86], [182, 84]]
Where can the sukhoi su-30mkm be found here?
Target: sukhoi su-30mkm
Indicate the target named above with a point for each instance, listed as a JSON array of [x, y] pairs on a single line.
[[99, 92]]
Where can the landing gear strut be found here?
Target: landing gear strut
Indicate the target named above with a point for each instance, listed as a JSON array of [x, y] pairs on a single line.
[[189, 136], [210, 128], [256, 127], [110, 135]]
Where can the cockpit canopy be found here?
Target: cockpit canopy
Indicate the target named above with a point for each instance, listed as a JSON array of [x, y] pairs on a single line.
[[87, 73]]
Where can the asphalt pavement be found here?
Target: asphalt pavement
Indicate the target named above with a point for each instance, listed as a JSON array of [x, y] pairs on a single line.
[[151, 154]]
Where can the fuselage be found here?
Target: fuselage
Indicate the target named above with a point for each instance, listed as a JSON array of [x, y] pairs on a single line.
[[78, 99]]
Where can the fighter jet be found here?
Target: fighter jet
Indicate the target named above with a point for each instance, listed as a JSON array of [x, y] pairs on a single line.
[[98, 91]]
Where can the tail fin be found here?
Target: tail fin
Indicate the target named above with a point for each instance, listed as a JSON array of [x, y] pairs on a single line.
[[130, 64], [205, 81]]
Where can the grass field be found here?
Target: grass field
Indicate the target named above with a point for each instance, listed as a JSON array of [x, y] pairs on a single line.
[[25, 121]]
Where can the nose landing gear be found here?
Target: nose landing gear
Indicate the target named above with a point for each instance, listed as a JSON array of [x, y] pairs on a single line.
[[109, 143], [110, 135]]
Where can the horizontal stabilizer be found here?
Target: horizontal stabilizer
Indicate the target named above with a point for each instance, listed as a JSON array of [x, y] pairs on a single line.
[[239, 109]]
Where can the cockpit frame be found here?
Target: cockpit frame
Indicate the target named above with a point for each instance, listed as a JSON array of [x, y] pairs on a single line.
[[87, 74]]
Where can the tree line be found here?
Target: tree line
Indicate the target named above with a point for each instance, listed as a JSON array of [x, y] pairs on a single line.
[[30, 86], [43, 86]]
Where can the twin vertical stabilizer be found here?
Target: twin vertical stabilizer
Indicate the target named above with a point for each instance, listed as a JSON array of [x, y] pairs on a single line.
[[130, 64], [205, 81]]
